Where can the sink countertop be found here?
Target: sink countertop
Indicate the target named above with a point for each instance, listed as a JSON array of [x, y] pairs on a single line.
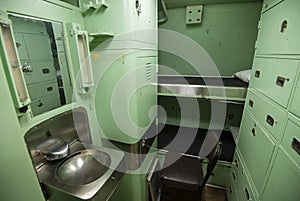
[[103, 187]]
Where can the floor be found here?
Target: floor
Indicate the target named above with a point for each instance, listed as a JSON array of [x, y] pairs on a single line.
[[213, 194]]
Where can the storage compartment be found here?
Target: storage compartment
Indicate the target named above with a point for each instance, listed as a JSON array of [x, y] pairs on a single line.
[[44, 104], [272, 117], [231, 187], [45, 89], [257, 149], [243, 189], [41, 71], [268, 4], [295, 109], [291, 140], [284, 180], [274, 78], [279, 29]]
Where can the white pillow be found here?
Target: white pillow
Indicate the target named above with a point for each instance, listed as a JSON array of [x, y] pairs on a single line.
[[243, 75]]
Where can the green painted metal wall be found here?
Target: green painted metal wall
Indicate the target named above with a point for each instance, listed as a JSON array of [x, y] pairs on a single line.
[[228, 33], [18, 178]]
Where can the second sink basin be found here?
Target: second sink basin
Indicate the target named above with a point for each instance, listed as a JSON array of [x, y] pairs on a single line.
[[83, 167]]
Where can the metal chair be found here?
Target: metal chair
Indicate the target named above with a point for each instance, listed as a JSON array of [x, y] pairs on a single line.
[[184, 179]]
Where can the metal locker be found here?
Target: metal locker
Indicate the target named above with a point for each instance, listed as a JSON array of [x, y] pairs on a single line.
[[243, 189], [257, 149], [231, 186], [23, 25], [41, 71], [284, 180], [272, 117], [288, 28], [268, 4], [44, 104], [21, 46], [38, 47], [295, 109], [274, 78], [268, 31], [43, 89], [291, 140]]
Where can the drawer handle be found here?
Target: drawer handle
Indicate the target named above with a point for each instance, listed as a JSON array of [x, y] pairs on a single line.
[[40, 104], [236, 163], [257, 73], [247, 194], [283, 26], [270, 120], [50, 89], [46, 71], [296, 145], [281, 80], [230, 190], [253, 132], [233, 176], [251, 103]]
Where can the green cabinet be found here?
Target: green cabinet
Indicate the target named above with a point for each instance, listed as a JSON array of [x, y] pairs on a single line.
[[295, 109], [44, 89], [272, 117], [45, 104], [268, 31], [268, 4], [239, 186], [231, 187], [274, 78], [291, 140], [38, 47], [21, 46], [284, 180], [269, 141], [279, 29], [256, 148], [41, 71]]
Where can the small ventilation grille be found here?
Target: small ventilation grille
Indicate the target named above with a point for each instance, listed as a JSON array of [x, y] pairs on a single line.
[[148, 71]]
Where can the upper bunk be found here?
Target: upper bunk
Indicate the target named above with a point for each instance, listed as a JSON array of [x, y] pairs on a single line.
[[217, 88]]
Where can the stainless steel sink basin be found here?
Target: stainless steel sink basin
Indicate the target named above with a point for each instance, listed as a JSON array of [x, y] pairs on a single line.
[[83, 167], [88, 173]]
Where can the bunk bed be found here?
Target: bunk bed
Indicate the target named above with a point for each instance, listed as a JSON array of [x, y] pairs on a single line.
[[219, 88], [230, 90]]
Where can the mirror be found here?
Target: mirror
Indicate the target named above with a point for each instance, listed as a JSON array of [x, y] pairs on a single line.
[[40, 45]]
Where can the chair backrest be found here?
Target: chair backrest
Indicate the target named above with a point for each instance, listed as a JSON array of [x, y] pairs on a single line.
[[213, 158]]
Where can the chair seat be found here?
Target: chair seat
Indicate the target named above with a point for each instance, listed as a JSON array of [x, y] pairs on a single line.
[[172, 177]]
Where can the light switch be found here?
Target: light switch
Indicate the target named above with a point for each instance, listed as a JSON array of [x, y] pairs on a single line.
[[194, 14]]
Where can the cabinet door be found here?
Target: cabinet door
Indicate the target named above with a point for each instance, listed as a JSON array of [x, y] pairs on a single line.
[[43, 89], [272, 117], [279, 29], [284, 181], [231, 186], [257, 149], [275, 78], [38, 47], [21, 46], [295, 109], [41, 71], [268, 31], [289, 27], [291, 140], [243, 189], [268, 4], [45, 104]]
